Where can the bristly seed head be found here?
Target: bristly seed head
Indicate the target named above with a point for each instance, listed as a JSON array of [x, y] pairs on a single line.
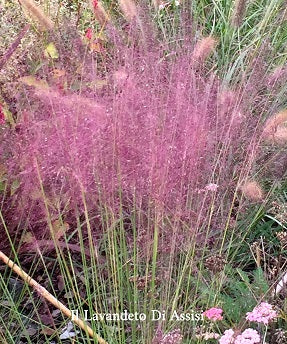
[[252, 190]]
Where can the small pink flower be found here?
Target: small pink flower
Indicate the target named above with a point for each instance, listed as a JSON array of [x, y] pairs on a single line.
[[89, 34], [173, 337], [95, 3], [211, 187], [163, 5], [249, 336], [227, 338], [263, 313], [214, 314]]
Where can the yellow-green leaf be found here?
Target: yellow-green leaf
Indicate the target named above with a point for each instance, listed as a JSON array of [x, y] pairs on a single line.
[[51, 51], [14, 186], [9, 117]]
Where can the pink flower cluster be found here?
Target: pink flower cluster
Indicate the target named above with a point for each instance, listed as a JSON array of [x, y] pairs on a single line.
[[89, 33], [263, 313], [173, 337], [249, 336], [214, 314], [227, 338]]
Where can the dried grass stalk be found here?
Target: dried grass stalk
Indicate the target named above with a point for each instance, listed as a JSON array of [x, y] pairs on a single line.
[[14, 46]]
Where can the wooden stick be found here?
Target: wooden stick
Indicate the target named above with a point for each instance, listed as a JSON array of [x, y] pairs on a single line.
[[44, 292]]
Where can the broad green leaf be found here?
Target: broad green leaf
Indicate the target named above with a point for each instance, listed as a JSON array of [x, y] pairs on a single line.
[[243, 276], [260, 283]]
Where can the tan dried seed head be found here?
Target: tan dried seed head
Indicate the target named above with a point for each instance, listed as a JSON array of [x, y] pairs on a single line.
[[252, 190]]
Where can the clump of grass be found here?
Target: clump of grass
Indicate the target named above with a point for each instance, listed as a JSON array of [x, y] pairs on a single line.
[[158, 132], [128, 167]]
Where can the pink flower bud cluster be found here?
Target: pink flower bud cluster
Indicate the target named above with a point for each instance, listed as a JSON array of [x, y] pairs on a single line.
[[214, 314], [263, 313], [249, 336], [173, 337]]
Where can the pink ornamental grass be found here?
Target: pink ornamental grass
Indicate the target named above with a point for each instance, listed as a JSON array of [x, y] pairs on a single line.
[[263, 313], [153, 133], [214, 314]]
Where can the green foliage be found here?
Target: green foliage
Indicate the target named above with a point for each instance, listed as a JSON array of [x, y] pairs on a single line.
[[236, 291]]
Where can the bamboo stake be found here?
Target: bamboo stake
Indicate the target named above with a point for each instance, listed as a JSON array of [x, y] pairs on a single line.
[[49, 297]]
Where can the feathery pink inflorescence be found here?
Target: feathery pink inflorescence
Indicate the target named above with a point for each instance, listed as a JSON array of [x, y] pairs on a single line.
[[203, 48], [151, 133]]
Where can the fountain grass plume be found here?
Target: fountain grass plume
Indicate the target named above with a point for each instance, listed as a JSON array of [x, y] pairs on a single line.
[[45, 23]]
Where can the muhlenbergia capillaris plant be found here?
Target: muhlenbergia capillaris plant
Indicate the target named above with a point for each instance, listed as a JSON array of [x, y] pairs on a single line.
[[131, 161]]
